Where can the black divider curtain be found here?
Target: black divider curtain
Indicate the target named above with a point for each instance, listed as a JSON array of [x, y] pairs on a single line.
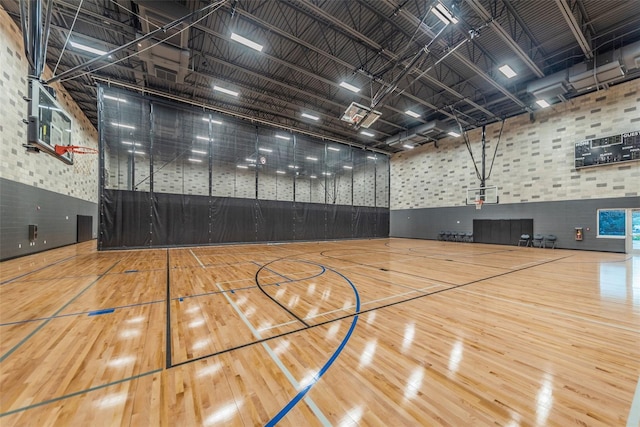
[[134, 219], [174, 175]]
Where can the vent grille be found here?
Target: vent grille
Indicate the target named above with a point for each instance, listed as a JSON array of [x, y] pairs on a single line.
[[166, 74]]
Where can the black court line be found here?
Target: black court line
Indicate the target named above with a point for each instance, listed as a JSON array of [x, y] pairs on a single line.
[[299, 319], [387, 270], [38, 269], [77, 393], [25, 339], [168, 329], [260, 341]]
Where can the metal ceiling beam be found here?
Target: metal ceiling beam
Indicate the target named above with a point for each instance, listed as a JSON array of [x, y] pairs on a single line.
[[476, 5], [162, 29], [236, 67], [339, 61], [394, 57], [575, 26], [426, 30], [252, 119]]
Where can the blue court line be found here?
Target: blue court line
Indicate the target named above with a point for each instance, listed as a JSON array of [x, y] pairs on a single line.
[[284, 411], [79, 313], [99, 312], [43, 324], [76, 393]]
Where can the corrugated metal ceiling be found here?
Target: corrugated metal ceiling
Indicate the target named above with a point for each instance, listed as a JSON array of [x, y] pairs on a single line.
[[393, 47]]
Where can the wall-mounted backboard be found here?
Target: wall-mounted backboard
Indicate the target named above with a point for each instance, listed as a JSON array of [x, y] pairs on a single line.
[[49, 124]]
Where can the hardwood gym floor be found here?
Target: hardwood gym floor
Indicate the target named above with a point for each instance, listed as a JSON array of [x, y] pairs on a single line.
[[389, 332]]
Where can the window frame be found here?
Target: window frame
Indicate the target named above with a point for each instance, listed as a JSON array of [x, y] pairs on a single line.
[[624, 224]]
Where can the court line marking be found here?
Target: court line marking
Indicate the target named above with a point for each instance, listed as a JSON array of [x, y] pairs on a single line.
[[326, 322], [371, 302], [275, 300], [168, 340], [38, 269], [46, 322], [634, 411], [79, 313], [76, 393], [197, 259], [301, 394], [314, 408], [389, 281], [553, 311]]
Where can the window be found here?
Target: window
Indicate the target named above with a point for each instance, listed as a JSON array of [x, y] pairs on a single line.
[[611, 223]]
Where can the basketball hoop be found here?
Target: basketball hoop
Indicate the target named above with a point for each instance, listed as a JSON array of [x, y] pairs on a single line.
[[82, 165], [77, 149], [479, 203]]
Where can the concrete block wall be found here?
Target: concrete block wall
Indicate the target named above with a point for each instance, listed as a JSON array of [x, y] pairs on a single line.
[[535, 158], [184, 177], [39, 170]]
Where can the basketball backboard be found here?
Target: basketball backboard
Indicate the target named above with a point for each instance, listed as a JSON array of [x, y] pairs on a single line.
[[356, 112], [49, 124], [488, 195]]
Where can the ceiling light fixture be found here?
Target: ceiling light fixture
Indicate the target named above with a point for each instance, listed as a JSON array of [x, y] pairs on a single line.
[[250, 160], [88, 48], [443, 14], [412, 114], [198, 152], [243, 167], [365, 133], [314, 159], [333, 149], [507, 71], [350, 87], [281, 172], [135, 152], [115, 98], [204, 138], [312, 176], [137, 144], [123, 126], [408, 147], [347, 167], [371, 157], [282, 137], [266, 150], [195, 160], [215, 122], [542, 103], [454, 134], [245, 41], [310, 116], [227, 91]]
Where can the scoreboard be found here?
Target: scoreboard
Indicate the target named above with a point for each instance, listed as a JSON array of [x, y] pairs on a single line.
[[608, 150]]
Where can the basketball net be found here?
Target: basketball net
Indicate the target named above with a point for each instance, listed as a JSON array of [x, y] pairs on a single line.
[[479, 203], [83, 164]]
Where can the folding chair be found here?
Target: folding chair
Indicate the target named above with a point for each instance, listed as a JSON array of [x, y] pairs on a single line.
[[524, 238], [550, 239]]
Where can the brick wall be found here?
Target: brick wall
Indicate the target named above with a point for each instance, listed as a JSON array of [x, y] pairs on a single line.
[[39, 170], [534, 161]]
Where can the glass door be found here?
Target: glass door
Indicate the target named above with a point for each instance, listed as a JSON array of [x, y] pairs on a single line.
[[633, 231]]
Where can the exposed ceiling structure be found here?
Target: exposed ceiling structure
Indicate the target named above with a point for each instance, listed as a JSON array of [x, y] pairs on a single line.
[[440, 60]]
